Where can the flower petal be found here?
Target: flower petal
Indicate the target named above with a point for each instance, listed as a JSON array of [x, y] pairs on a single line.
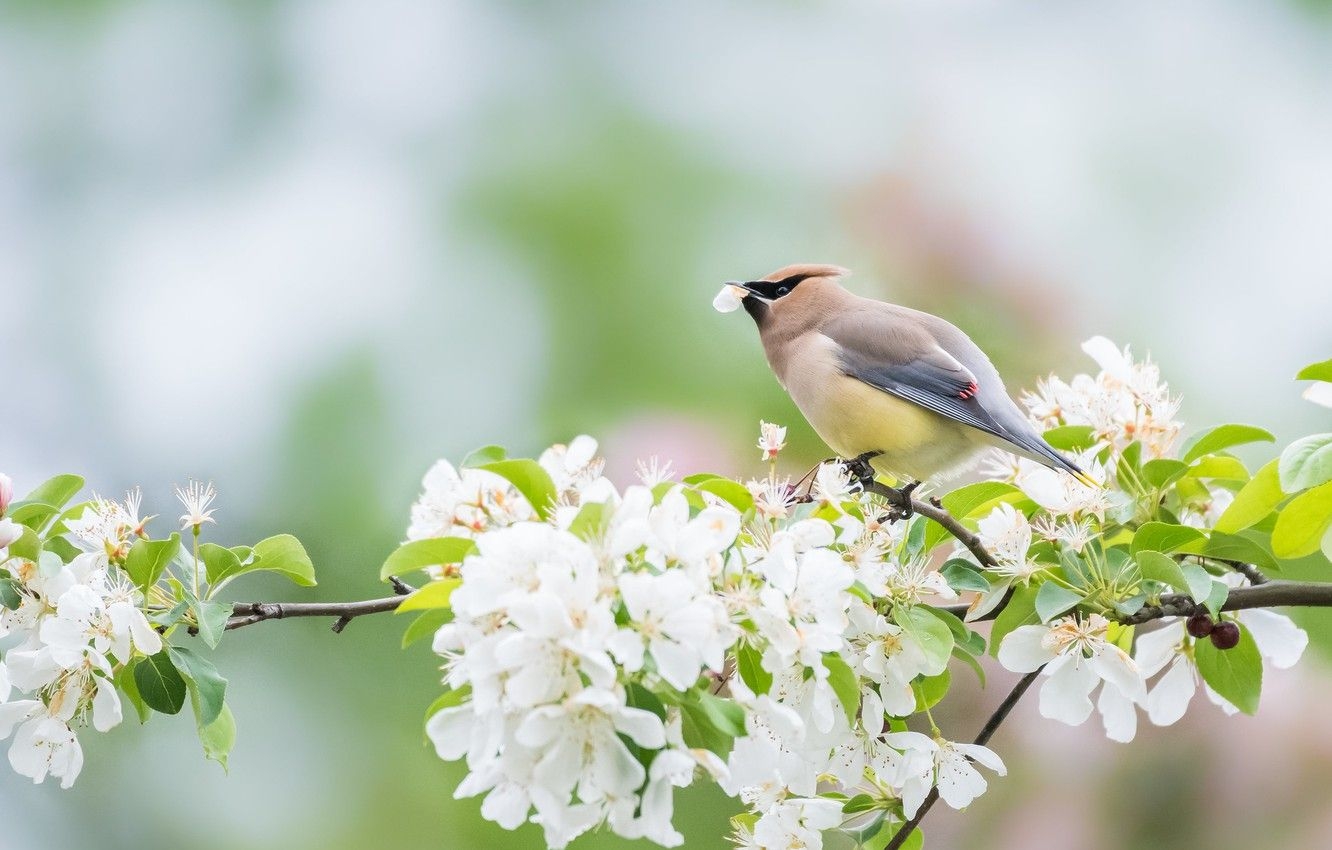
[[1023, 649]]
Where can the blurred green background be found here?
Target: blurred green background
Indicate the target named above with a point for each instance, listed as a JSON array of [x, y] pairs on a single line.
[[306, 248]]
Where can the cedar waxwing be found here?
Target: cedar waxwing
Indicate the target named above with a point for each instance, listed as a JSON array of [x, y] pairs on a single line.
[[877, 379]]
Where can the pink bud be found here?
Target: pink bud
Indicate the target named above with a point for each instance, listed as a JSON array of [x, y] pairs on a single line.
[[6, 493]]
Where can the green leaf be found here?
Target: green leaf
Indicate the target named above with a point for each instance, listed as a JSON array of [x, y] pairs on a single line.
[[1236, 674], [148, 559], [964, 639], [1301, 524], [590, 521], [1306, 463], [1316, 372], [1020, 611], [219, 562], [449, 699], [219, 736], [125, 681], [484, 455], [283, 554], [33, 515], [1251, 547], [971, 500], [528, 478], [970, 660], [425, 625], [711, 722], [1155, 566], [640, 697], [1254, 501], [1220, 468], [930, 633], [1199, 581], [204, 681], [1168, 537], [431, 552], [963, 575], [733, 492], [56, 491], [1162, 472], [1224, 437], [434, 595], [28, 546], [929, 690], [1217, 598], [859, 803], [914, 841], [212, 619], [9, 593], [1071, 438], [845, 684], [159, 683], [749, 661], [1053, 600]]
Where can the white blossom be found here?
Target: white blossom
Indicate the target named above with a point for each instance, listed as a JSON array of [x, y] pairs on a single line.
[[681, 624], [197, 499], [1006, 534], [772, 439], [1077, 656], [1280, 642]]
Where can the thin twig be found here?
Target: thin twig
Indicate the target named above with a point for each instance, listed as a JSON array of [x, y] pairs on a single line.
[[1249, 571], [986, 733], [249, 613]]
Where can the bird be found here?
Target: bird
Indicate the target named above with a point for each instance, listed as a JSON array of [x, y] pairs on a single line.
[[902, 390]]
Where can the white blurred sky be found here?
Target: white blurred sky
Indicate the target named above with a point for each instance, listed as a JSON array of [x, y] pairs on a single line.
[[198, 206]]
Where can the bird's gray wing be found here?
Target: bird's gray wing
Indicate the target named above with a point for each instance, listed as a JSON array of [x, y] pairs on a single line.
[[892, 354], [929, 362]]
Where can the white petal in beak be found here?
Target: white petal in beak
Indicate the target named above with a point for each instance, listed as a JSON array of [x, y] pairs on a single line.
[[728, 300]]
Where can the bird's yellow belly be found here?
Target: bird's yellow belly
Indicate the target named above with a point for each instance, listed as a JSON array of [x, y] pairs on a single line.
[[853, 418]]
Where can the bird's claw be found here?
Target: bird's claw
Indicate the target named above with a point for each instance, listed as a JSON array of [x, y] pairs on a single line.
[[859, 469], [902, 506]]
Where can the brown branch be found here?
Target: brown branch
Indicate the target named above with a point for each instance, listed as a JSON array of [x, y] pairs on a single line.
[[964, 535], [986, 733], [249, 613], [1271, 594], [1249, 571]]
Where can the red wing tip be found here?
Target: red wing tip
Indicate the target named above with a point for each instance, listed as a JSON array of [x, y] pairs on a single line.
[[969, 391]]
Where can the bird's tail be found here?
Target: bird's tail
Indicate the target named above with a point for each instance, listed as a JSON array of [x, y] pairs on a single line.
[[1043, 452]]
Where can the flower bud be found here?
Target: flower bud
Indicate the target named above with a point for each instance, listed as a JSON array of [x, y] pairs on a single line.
[[6, 493], [1225, 635]]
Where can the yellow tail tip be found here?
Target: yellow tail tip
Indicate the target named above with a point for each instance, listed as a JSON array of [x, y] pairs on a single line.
[[1087, 480]]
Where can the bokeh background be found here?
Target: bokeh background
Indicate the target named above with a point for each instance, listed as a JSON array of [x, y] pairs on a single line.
[[306, 248]]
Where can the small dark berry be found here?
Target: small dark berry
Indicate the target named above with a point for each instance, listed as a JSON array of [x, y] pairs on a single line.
[[1225, 635], [1200, 625]]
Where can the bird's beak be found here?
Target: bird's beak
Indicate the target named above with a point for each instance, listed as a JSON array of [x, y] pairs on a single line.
[[750, 287]]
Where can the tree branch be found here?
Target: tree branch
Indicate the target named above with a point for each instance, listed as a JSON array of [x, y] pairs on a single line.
[[1274, 593], [249, 613], [986, 733], [964, 535]]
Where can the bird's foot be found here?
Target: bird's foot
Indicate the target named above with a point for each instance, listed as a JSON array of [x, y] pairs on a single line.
[[860, 470], [900, 499]]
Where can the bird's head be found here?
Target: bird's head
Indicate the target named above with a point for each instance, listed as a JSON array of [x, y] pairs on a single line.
[[795, 283]]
